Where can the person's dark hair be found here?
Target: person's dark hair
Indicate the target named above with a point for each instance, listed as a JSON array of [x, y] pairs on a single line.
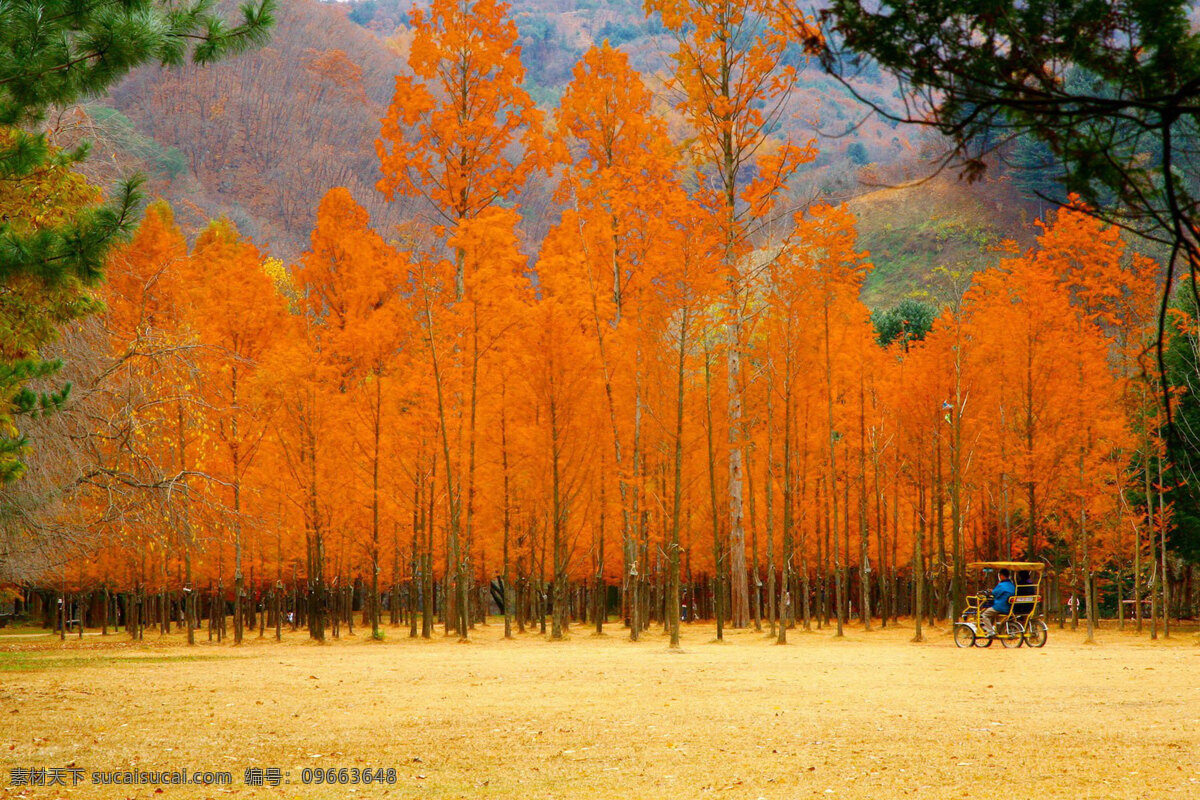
[[1002, 573]]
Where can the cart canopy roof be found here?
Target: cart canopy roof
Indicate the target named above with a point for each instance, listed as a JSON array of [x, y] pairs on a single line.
[[1028, 565]]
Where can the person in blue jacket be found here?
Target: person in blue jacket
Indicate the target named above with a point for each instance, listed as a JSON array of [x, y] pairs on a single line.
[[1001, 598]]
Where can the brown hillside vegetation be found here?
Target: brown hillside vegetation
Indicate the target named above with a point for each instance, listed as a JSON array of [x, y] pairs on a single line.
[[262, 137], [868, 717], [266, 134]]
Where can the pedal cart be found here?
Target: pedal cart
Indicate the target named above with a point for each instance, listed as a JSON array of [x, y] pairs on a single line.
[[1023, 624]]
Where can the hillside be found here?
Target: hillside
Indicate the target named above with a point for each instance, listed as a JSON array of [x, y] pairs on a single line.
[[261, 138], [911, 233]]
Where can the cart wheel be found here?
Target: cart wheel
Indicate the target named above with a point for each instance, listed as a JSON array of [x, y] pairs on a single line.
[[964, 636], [1036, 633], [983, 640], [1013, 633]]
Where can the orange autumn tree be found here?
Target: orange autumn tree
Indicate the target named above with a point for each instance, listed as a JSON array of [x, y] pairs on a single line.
[[448, 139], [734, 81], [497, 294], [789, 295], [1015, 316], [150, 410], [307, 435], [683, 291], [350, 288], [1040, 363], [459, 343], [920, 405], [953, 440], [416, 478], [676, 358], [236, 313], [621, 192], [1089, 259], [826, 242], [1133, 311], [559, 372], [448, 132]]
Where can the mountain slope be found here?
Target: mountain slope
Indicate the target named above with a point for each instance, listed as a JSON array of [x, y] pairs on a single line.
[[913, 233], [261, 138]]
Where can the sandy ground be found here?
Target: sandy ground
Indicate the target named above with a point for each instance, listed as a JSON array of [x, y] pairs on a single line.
[[868, 716]]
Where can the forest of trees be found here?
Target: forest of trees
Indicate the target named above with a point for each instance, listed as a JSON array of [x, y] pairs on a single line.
[[673, 405]]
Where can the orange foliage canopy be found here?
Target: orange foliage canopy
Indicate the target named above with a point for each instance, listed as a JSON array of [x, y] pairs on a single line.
[[448, 132]]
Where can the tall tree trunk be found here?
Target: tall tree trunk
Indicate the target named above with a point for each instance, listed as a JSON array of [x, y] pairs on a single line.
[[864, 541], [918, 556], [786, 604], [755, 579], [1087, 561], [239, 587], [822, 533], [769, 499], [942, 583], [1162, 530], [803, 525], [599, 601], [507, 519], [559, 609], [832, 493], [606, 370], [316, 545], [880, 523], [739, 583], [427, 582], [673, 608], [455, 560], [956, 481], [376, 435], [634, 574], [718, 608]]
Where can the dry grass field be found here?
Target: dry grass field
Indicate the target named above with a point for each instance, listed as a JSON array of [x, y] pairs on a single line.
[[869, 716]]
